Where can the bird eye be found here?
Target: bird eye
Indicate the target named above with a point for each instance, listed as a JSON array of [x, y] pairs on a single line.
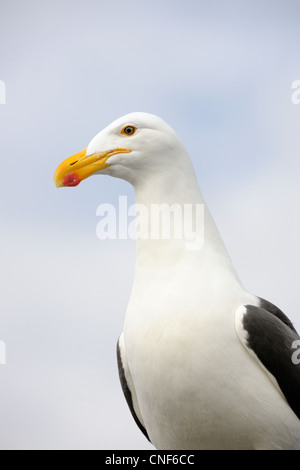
[[128, 130]]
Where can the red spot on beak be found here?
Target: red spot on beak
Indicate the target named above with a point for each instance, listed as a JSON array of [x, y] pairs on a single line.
[[71, 179]]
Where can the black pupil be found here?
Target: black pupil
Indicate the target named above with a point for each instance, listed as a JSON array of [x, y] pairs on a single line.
[[129, 130]]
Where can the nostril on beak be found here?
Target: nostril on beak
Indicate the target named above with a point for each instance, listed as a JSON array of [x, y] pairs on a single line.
[[73, 163]]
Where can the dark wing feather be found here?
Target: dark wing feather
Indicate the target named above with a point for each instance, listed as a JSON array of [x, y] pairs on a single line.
[[277, 312], [127, 392], [271, 336]]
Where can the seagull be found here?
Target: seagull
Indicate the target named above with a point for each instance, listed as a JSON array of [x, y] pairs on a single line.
[[203, 363]]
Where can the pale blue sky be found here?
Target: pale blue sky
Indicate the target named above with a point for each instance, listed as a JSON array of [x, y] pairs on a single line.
[[220, 73]]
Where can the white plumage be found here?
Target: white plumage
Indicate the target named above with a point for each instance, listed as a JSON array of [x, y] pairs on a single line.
[[185, 362]]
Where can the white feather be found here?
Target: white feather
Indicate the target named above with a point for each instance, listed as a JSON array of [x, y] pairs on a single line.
[[196, 385]]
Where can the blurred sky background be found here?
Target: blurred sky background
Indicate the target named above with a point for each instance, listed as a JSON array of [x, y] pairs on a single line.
[[220, 73]]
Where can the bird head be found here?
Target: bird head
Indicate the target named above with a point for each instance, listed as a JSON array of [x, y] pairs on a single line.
[[132, 147]]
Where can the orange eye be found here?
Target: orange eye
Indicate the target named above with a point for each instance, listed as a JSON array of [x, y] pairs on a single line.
[[128, 130]]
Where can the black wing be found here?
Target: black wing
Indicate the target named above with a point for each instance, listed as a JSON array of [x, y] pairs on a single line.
[[127, 392], [277, 312], [271, 336]]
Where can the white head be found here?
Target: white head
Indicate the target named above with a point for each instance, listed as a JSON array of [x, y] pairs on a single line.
[[144, 150], [135, 147]]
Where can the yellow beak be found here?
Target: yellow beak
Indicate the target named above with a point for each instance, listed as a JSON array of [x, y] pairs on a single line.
[[79, 167]]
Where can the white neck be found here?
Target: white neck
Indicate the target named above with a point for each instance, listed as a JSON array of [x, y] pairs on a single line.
[[178, 186]]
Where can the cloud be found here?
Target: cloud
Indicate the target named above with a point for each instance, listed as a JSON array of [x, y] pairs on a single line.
[[221, 75]]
